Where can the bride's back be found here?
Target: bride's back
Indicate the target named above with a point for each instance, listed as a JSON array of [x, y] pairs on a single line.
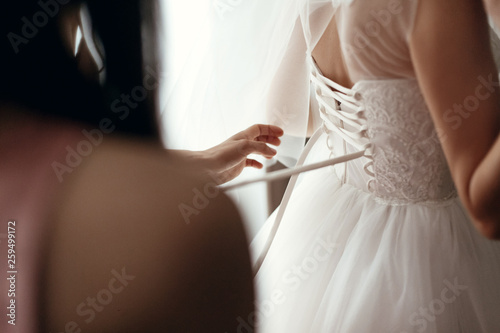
[[371, 37], [446, 50]]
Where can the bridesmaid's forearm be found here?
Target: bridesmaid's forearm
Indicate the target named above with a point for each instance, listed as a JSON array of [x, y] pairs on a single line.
[[193, 158]]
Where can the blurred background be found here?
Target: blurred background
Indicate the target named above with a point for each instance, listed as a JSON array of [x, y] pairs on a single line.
[[187, 36]]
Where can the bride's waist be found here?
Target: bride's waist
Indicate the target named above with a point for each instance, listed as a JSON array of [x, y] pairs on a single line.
[[394, 175]]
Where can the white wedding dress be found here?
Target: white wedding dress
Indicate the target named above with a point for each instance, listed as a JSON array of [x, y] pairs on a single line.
[[380, 244]]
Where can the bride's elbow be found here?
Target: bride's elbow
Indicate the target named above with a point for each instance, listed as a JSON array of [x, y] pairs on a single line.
[[488, 223], [482, 204], [489, 230]]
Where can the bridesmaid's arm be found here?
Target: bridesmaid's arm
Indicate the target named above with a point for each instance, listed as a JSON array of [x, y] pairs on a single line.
[[228, 159], [457, 74]]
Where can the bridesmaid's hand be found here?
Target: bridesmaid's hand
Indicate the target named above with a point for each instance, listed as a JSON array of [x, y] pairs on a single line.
[[227, 160]]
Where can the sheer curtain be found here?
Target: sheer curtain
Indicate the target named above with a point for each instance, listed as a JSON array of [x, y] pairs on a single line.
[[189, 59]]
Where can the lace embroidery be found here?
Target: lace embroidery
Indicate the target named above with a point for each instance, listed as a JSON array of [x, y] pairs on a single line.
[[408, 161], [389, 118]]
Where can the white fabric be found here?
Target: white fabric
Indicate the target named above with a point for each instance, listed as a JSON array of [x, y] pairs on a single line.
[[381, 244], [251, 51], [398, 256], [224, 82]]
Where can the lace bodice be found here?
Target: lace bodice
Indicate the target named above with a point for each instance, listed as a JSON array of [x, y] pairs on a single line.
[[409, 165], [389, 119]]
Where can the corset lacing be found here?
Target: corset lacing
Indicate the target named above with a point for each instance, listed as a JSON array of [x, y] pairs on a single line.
[[343, 113]]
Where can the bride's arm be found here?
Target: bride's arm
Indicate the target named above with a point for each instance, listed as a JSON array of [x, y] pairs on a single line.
[[493, 9], [457, 74]]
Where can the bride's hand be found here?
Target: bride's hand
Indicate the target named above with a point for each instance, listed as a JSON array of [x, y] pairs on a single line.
[[227, 160]]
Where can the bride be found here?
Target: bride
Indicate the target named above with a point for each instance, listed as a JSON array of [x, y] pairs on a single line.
[[389, 241], [385, 243]]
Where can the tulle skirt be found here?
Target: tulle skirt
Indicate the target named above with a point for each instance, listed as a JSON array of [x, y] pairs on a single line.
[[342, 262]]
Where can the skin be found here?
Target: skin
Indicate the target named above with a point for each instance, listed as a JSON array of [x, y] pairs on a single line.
[[493, 10], [89, 237], [121, 209], [473, 149], [227, 160], [223, 162], [328, 48], [188, 277]]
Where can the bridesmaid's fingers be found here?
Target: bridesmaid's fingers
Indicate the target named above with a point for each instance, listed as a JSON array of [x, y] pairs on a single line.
[[258, 130], [254, 164], [247, 147], [273, 140]]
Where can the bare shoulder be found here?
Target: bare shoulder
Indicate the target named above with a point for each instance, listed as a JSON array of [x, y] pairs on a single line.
[[130, 209], [128, 184], [134, 176]]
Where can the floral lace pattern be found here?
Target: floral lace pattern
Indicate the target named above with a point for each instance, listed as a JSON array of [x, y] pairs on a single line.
[[388, 120], [409, 165]]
